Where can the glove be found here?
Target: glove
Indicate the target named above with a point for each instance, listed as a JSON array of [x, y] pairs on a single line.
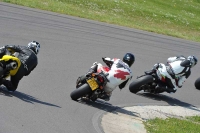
[[156, 66]]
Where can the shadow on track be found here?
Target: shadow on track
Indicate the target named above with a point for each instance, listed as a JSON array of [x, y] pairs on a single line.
[[24, 97], [170, 100], [102, 105]]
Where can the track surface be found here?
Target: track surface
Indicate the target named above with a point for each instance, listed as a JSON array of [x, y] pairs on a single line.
[[69, 46]]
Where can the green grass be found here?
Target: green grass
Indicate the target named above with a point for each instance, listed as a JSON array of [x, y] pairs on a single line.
[[174, 125], [179, 18], [194, 118]]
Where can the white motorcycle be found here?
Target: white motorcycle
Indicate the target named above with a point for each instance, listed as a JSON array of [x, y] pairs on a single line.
[[149, 81]]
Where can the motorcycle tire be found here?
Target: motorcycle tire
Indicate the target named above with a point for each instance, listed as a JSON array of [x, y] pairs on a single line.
[[1, 71], [197, 83], [134, 87], [80, 92]]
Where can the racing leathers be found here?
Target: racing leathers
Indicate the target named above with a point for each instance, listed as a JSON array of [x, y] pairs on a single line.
[[119, 74], [176, 71], [28, 62]]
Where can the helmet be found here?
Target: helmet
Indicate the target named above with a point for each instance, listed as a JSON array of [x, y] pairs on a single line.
[[129, 59], [35, 46], [193, 60]]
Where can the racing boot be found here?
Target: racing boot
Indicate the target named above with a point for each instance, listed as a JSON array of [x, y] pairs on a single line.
[[8, 85], [161, 88], [105, 96], [170, 90]]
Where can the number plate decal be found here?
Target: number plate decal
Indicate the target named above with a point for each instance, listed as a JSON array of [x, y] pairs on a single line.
[[93, 84]]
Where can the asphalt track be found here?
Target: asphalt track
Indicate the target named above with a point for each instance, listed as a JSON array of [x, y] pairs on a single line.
[[69, 45]]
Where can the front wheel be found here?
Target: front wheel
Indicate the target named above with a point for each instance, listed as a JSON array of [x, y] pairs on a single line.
[[134, 87], [80, 92], [197, 83]]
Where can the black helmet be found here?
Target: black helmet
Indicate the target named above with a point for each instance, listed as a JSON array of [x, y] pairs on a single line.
[[129, 59]]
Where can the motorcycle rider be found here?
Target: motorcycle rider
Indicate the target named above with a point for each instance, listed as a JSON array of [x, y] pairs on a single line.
[[178, 69], [119, 73], [28, 57]]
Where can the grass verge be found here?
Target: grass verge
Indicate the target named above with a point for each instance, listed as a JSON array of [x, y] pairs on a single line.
[[178, 18], [174, 125]]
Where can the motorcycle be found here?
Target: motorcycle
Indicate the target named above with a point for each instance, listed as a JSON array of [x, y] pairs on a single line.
[[150, 80], [93, 88], [11, 64]]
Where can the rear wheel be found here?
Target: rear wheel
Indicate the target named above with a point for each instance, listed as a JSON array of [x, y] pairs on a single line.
[[1, 74], [134, 87], [1, 71], [80, 92], [197, 83]]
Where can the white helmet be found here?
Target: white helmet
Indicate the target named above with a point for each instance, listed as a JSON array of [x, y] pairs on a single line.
[[35, 46], [193, 60]]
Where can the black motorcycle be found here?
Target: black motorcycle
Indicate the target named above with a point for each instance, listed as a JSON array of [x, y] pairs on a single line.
[[93, 88]]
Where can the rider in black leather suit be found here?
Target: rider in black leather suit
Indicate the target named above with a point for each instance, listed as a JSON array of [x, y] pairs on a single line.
[[28, 58]]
